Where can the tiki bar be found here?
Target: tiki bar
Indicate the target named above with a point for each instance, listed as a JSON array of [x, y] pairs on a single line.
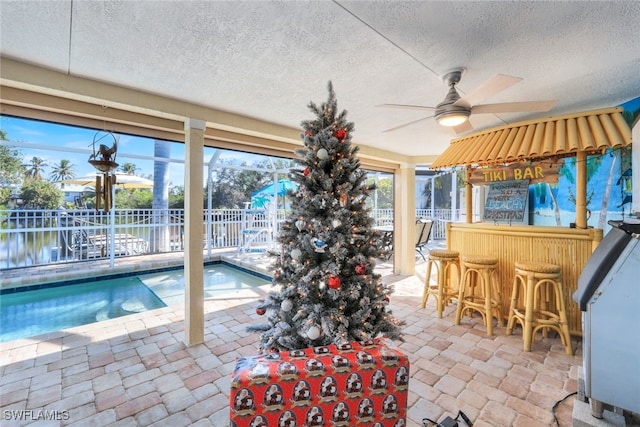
[[500, 164]]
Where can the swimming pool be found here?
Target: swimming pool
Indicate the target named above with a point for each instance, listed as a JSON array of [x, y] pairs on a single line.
[[219, 279], [53, 307]]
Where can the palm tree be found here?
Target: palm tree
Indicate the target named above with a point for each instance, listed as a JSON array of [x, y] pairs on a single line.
[[159, 239], [34, 168], [63, 170], [129, 168], [602, 218], [570, 166]]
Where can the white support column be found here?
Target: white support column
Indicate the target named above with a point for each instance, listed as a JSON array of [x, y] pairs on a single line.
[[404, 220], [193, 252]]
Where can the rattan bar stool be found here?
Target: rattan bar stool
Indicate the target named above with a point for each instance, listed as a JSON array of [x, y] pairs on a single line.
[[445, 290], [480, 289], [541, 286]]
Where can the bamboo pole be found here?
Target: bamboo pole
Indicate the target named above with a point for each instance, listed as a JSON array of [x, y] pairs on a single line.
[[581, 190], [468, 195]]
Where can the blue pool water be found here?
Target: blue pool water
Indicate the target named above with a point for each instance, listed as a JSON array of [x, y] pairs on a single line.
[[219, 279], [59, 306]]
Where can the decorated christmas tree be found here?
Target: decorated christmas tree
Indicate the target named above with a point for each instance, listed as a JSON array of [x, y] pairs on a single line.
[[325, 288]]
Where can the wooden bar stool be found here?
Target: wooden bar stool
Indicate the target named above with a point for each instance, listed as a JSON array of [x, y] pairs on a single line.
[[541, 286], [445, 288], [480, 289]]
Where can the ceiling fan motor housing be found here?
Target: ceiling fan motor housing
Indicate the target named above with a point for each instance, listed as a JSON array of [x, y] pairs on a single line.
[[447, 106]]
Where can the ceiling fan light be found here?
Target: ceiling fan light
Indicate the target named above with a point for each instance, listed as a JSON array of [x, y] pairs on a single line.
[[453, 118]]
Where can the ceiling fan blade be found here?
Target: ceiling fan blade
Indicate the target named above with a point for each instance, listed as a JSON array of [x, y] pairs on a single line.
[[514, 107], [490, 87], [406, 124], [462, 128], [405, 107]]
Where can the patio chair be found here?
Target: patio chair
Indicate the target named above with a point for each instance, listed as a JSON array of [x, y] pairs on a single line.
[[423, 232]]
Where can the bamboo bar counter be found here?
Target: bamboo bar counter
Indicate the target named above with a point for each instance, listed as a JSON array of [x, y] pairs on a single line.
[[570, 248], [514, 152]]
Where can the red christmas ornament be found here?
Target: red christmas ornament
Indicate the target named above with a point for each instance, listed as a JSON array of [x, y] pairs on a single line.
[[306, 171], [308, 133], [341, 135], [260, 311], [386, 298], [334, 282], [361, 269]]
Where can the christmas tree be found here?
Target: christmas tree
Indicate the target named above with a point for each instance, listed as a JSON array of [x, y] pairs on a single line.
[[325, 288]]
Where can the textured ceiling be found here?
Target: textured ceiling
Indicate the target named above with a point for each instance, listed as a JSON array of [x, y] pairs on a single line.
[[268, 59]]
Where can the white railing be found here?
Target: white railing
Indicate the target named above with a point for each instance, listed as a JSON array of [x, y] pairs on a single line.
[[439, 218], [39, 237]]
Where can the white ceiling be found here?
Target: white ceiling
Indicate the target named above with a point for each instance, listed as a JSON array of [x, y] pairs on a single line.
[[268, 59]]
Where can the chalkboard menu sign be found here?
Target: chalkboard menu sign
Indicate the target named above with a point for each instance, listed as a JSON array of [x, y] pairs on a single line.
[[507, 202]]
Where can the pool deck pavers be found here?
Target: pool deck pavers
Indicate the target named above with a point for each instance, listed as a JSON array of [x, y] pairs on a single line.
[[137, 371]]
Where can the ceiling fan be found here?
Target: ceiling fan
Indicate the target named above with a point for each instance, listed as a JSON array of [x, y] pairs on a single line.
[[454, 111]]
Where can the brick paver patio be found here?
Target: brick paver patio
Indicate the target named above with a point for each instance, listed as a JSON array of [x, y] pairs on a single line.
[[137, 371]]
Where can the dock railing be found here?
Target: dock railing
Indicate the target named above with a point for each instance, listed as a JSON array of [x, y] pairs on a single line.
[[30, 237]]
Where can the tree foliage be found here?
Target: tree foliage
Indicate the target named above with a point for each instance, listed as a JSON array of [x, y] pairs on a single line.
[[233, 186], [11, 168], [38, 194], [141, 198], [35, 168], [383, 193], [63, 170], [129, 168]]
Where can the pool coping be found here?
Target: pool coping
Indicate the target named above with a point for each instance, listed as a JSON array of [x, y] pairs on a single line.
[[39, 277], [80, 280]]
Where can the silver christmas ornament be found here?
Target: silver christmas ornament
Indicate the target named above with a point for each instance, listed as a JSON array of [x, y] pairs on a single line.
[[323, 154], [313, 332], [286, 305]]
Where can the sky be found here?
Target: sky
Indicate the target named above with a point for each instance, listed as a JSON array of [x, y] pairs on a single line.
[[137, 150], [133, 149]]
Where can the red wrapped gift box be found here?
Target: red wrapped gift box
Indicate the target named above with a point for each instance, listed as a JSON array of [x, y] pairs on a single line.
[[354, 384]]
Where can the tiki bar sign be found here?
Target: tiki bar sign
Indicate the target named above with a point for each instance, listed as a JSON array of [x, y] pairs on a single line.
[[533, 172]]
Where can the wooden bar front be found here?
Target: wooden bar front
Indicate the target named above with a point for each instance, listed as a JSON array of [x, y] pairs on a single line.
[[570, 248]]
